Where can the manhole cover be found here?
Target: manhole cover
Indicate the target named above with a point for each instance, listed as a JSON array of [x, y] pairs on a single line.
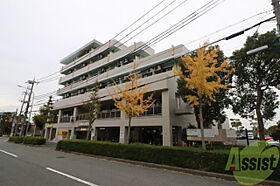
[[60, 157]]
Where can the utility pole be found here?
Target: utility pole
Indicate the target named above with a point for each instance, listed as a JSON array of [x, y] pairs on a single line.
[[276, 6], [24, 126], [29, 120], [21, 109], [14, 123]]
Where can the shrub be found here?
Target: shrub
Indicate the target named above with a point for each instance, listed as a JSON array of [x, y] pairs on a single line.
[[16, 139], [193, 158], [34, 140]]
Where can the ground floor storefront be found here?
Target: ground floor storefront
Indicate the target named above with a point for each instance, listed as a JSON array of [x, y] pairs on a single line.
[[141, 134]]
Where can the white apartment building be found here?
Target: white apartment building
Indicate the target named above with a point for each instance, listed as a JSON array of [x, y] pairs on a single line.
[[162, 124]]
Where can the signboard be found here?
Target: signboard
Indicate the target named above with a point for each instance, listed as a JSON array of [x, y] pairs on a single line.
[[61, 132], [49, 126], [81, 129], [83, 124], [192, 132], [59, 137]]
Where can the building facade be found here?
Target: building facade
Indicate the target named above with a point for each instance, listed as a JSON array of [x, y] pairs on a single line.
[[162, 124]]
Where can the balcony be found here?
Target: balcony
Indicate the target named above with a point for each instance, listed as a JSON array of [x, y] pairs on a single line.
[[143, 63], [186, 109], [153, 111], [109, 114], [91, 54], [104, 114], [66, 119], [113, 57]]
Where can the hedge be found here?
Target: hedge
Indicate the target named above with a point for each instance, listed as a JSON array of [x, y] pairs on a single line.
[[34, 140], [190, 157], [28, 140], [16, 139], [174, 156]]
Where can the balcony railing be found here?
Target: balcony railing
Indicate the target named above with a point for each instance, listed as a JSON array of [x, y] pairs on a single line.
[[105, 114], [82, 117], [109, 114], [153, 111], [66, 119]]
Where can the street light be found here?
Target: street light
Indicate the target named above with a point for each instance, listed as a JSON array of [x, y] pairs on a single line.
[[273, 44], [23, 87]]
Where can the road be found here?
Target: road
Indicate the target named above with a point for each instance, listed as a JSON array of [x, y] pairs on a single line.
[[22, 165]]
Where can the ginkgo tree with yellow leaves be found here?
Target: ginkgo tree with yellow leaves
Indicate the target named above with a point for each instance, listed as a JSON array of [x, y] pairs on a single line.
[[131, 99], [201, 74]]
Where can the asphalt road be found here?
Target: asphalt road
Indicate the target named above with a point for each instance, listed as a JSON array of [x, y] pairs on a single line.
[[26, 165]]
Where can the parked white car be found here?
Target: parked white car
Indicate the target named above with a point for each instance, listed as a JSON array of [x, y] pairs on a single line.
[[250, 136], [272, 142]]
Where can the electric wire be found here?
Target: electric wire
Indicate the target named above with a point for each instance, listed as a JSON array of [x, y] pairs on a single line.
[[145, 23], [141, 17], [227, 27], [184, 22]]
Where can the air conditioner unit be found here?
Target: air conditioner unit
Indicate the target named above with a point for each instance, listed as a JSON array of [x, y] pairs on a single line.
[[158, 67]]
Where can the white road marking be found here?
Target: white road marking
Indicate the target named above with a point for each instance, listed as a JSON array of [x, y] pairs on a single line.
[[15, 156], [72, 177]]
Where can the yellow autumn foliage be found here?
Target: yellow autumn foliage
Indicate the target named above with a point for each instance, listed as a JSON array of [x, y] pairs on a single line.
[[200, 70], [131, 99]]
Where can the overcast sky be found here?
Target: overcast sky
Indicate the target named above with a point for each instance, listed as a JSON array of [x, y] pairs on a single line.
[[36, 34]]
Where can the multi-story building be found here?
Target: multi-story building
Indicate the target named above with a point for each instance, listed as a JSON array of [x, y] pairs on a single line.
[[162, 124]]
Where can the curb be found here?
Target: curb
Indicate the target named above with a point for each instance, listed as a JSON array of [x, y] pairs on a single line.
[[172, 168]]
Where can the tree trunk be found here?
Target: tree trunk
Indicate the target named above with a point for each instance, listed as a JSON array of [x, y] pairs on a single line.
[[201, 127], [128, 131], [89, 132], [259, 114], [22, 130], [197, 118]]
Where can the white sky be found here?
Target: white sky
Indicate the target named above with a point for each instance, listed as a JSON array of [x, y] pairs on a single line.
[[36, 34]]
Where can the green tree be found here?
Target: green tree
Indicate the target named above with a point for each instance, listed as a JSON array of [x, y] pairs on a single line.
[[46, 115], [93, 107], [6, 120], [39, 121], [276, 134], [271, 129], [278, 124], [235, 123], [213, 113], [255, 77]]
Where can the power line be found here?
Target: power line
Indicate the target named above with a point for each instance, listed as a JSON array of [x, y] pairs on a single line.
[[144, 23], [45, 95], [158, 39], [227, 27], [40, 79], [50, 79], [141, 17], [184, 22]]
